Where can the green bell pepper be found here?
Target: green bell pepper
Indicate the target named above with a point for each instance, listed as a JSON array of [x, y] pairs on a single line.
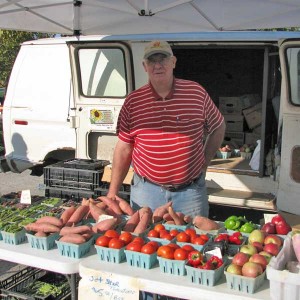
[[232, 223], [247, 227]]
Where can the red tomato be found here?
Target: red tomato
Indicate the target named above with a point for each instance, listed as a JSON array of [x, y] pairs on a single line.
[[175, 246], [183, 237], [174, 232], [194, 237], [134, 246], [111, 233], [154, 244], [158, 227], [153, 233], [116, 243], [199, 241], [127, 237], [204, 237], [139, 240], [163, 232], [180, 254], [102, 241], [188, 248], [167, 236], [191, 232], [166, 251], [148, 249]]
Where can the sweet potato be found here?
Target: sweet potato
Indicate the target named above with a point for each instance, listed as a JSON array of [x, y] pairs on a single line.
[[112, 204], [75, 229], [85, 201], [78, 215], [205, 223], [187, 219], [101, 205], [145, 220], [132, 222], [66, 215], [51, 220], [125, 206], [178, 218], [105, 225], [40, 234], [160, 211], [44, 227], [96, 211], [73, 238]]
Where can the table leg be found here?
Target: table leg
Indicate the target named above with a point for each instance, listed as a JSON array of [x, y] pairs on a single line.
[[73, 285]]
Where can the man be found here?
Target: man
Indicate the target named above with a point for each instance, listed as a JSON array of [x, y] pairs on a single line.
[[169, 130]]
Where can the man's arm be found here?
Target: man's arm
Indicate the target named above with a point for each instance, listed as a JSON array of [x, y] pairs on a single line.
[[120, 166], [212, 144]]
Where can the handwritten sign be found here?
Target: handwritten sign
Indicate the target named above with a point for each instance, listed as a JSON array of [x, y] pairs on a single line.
[[25, 197], [107, 286]]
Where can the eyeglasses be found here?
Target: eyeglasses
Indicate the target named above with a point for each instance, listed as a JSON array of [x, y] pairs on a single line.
[[162, 60]]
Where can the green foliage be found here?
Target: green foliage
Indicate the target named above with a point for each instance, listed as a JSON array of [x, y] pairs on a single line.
[[10, 41]]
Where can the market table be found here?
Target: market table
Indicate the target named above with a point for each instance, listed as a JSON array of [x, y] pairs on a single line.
[[49, 260], [154, 281]]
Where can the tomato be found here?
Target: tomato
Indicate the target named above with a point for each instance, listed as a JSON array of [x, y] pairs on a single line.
[[195, 258], [139, 240], [205, 237], [165, 251], [102, 241], [188, 248], [134, 246], [153, 233], [174, 232], [154, 244], [191, 232], [183, 237], [199, 241], [126, 236], [158, 227], [111, 233], [175, 246], [163, 232], [180, 254], [167, 236], [148, 249], [116, 243]]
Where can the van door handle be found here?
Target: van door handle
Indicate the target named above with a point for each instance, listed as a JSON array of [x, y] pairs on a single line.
[[80, 109]]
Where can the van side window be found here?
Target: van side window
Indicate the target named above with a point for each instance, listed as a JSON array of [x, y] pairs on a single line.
[[293, 57], [102, 72]]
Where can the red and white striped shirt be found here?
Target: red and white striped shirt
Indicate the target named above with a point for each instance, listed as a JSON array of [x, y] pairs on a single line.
[[168, 133]]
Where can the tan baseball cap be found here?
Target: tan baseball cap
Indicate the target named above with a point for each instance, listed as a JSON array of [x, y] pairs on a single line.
[[155, 47]]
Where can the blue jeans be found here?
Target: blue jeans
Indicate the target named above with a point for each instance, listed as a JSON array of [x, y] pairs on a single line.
[[192, 200]]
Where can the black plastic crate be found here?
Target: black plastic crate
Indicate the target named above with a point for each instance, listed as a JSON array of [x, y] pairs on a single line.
[[69, 194], [60, 288], [102, 191], [87, 164]]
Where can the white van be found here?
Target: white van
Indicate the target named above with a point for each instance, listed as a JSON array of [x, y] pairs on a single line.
[[65, 94]]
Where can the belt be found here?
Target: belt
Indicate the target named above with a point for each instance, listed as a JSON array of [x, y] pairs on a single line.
[[172, 187]]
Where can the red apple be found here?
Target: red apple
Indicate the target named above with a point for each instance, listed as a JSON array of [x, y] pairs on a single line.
[[248, 249], [256, 235], [259, 246], [240, 258], [269, 228], [283, 228], [259, 259], [266, 254], [277, 218], [274, 239], [272, 249], [234, 269], [252, 269]]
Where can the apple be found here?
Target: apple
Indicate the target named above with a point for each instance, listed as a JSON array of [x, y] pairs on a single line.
[[259, 246], [277, 218], [266, 254], [240, 258], [259, 259], [283, 227], [269, 228], [272, 249], [248, 249], [256, 235], [247, 150], [234, 269], [274, 239], [252, 269]]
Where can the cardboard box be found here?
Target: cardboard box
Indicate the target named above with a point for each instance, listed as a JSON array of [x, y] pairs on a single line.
[[249, 100], [234, 122], [253, 115], [230, 105], [107, 175]]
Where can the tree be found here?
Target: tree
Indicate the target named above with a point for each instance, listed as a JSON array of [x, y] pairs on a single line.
[[10, 41]]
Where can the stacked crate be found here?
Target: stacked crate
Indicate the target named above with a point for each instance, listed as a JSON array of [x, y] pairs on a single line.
[[74, 178]]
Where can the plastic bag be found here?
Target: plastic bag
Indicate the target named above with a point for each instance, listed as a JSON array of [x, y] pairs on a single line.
[[254, 162]]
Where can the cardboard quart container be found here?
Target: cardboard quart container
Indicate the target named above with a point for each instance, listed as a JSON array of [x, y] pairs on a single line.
[[284, 285]]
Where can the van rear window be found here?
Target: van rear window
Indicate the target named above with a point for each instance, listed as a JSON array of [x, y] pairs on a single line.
[[102, 72], [293, 58]]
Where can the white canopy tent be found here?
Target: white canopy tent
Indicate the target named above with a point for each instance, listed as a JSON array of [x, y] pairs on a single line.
[[146, 16]]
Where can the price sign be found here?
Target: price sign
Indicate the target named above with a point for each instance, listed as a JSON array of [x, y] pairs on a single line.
[[25, 197], [107, 286]]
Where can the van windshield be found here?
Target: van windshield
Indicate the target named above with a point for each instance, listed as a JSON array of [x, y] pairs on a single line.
[[102, 72]]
